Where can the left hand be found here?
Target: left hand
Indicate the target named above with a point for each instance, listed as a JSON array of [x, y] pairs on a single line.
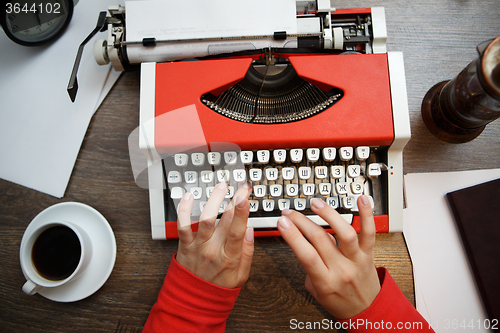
[[221, 255]]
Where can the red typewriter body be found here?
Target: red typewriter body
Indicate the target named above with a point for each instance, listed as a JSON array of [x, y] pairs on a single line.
[[362, 117]]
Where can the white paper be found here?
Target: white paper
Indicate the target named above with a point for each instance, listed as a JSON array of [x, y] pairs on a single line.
[[41, 131], [440, 267], [428, 187], [444, 287], [188, 19]]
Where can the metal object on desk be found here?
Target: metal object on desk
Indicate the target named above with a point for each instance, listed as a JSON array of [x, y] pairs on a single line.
[[32, 23], [458, 110]]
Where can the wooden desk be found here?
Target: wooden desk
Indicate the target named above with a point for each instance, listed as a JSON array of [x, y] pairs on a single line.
[[438, 40]]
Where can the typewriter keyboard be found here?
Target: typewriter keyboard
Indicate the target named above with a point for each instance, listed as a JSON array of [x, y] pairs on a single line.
[[281, 179]]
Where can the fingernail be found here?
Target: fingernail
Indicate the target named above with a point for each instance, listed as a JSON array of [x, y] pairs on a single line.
[[333, 239], [365, 201], [286, 212], [317, 203], [222, 186], [240, 202], [284, 222], [187, 196], [247, 185], [249, 235]]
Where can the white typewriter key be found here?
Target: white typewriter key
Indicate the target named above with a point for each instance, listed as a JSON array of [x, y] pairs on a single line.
[[312, 154], [255, 175], [181, 160], [239, 175], [191, 177], [353, 171], [341, 188], [202, 205], [348, 202], [325, 189], [283, 204], [174, 177], [292, 190], [279, 155], [272, 173], [308, 189], [209, 191], [213, 158], [357, 187], [276, 190], [288, 173], [296, 155], [304, 172], [374, 170], [259, 191], [321, 172], [230, 192], [176, 192], [263, 156], [346, 153], [197, 192], [246, 156], [230, 157], [254, 205], [362, 153], [223, 176], [329, 154], [198, 159], [207, 176], [268, 205], [333, 202], [299, 204], [337, 171]]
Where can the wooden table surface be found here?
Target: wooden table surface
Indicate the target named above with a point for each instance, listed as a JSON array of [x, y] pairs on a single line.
[[438, 39]]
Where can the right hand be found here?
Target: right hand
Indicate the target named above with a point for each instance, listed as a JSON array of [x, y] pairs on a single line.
[[343, 278]]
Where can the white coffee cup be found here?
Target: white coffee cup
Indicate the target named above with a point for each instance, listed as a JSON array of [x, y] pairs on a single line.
[[47, 267]]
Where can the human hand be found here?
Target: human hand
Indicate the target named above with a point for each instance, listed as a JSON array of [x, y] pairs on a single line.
[[221, 255], [342, 278]]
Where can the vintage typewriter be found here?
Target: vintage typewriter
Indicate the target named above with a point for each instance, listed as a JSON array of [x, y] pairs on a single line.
[[320, 112]]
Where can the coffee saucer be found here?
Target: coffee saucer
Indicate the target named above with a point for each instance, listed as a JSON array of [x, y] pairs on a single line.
[[103, 250]]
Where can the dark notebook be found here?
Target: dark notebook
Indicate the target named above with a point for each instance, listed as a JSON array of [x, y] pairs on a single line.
[[476, 211]]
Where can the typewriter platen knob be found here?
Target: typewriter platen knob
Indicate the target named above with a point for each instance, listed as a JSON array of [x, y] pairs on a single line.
[[101, 52]]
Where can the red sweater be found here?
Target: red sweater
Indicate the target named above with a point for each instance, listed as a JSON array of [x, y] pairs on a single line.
[[187, 303]]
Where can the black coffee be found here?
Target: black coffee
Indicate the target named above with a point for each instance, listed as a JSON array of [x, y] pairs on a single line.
[[56, 253]]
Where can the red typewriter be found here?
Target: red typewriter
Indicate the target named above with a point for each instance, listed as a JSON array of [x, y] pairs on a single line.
[[326, 118]]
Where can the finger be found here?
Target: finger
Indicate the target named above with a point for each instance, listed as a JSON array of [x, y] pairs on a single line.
[[247, 254], [333, 239], [310, 287], [316, 235], [209, 214], [368, 230], [236, 232], [347, 238], [224, 224], [304, 251], [184, 219]]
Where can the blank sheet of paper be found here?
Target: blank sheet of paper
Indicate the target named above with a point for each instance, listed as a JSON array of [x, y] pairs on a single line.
[[41, 131]]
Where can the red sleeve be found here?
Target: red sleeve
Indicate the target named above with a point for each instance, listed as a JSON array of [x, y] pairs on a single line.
[[389, 312], [187, 303]]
